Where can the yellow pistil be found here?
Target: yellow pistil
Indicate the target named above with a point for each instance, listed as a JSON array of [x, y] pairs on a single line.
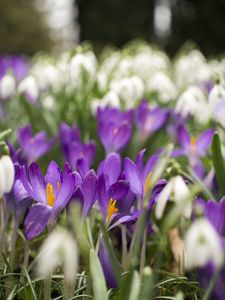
[[147, 183], [111, 209], [193, 144], [50, 194]]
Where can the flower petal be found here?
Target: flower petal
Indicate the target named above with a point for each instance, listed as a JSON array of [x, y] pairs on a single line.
[[112, 167], [36, 220], [37, 183], [133, 176], [89, 188]]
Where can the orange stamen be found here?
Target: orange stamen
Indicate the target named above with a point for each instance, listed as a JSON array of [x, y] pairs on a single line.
[[111, 209], [147, 183], [50, 194], [193, 143]]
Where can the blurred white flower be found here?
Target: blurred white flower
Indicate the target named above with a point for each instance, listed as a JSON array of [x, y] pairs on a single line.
[[129, 90], [193, 102], [110, 99], [163, 85], [191, 68], [7, 86], [148, 61], [82, 62], [217, 103], [49, 102], [179, 193], [7, 174], [28, 87], [58, 249], [202, 245]]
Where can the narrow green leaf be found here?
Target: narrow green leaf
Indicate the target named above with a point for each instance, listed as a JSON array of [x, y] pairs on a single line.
[[30, 283], [147, 287], [4, 133], [11, 295], [218, 162], [99, 285]]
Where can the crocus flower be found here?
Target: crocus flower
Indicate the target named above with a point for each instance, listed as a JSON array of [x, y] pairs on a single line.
[[150, 120], [112, 191], [85, 191], [107, 267], [33, 147], [193, 147], [139, 175], [114, 128], [15, 64], [52, 193], [203, 245], [73, 149]]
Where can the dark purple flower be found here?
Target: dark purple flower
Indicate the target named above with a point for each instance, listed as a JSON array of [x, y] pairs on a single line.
[[114, 128], [33, 147], [51, 192], [150, 120], [77, 154]]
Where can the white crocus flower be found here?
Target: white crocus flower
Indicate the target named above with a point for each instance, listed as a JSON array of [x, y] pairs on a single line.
[[7, 174], [202, 245], [179, 193], [7, 86], [216, 94], [29, 87], [58, 249]]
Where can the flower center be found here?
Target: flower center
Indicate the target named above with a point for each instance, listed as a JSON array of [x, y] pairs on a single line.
[[147, 183], [193, 144], [111, 209], [50, 194]]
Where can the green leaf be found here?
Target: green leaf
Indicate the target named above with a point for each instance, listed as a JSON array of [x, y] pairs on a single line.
[[218, 162], [4, 133], [99, 285], [147, 287]]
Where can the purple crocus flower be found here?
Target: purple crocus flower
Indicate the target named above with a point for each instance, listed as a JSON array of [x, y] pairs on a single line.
[[107, 267], [33, 147], [114, 128], [85, 192], [14, 63], [51, 192], [214, 212], [77, 154], [113, 191], [150, 120], [193, 147], [139, 175]]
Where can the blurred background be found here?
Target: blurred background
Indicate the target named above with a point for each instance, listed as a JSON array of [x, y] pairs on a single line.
[[28, 26]]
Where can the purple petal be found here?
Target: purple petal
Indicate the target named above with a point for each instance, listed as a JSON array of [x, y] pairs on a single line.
[[53, 175], [112, 167], [215, 212], [36, 220], [37, 182], [65, 192], [89, 151], [24, 136], [183, 137], [133, 176], [89, 188], [150, 165], [82, 167], [204, 141], [118, 190], [139, 160], [102, 194]]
